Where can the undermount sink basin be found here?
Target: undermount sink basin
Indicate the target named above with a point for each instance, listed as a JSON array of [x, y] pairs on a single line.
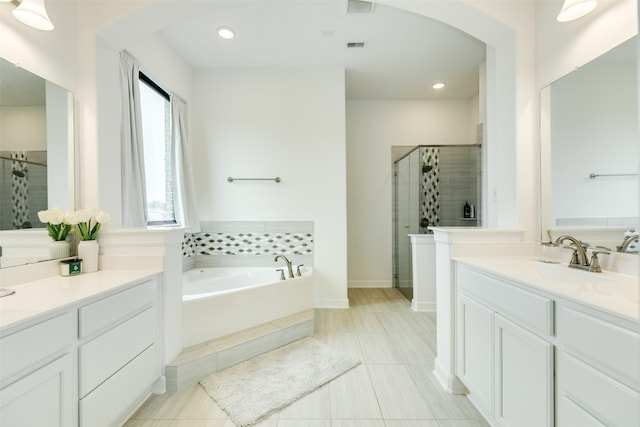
[[564, 273]]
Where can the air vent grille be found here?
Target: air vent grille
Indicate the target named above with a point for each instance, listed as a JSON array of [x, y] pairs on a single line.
[[358, 6], [356, 45]]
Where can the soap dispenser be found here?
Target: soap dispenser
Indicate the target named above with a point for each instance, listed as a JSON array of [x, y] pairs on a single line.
[[466, 210]]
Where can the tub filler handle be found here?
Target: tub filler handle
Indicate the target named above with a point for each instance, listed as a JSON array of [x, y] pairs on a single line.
[[298, 272], [281, 273]]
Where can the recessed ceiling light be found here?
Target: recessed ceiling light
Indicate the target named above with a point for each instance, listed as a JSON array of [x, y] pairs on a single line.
[[226, 33], [439, 85]]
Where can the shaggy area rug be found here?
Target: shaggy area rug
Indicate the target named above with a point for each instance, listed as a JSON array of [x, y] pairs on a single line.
[[253, 389]]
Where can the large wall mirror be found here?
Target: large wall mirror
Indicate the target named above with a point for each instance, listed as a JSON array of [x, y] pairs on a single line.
[[589, 150], [36, 160]]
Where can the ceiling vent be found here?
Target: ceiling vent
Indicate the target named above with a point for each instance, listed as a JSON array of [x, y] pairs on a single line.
[[358, 6], [356, 45]]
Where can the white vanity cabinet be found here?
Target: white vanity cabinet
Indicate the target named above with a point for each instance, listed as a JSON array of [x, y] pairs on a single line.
[[118, 354], [37, 374], [598, 369], [503, 351], [89, 360]]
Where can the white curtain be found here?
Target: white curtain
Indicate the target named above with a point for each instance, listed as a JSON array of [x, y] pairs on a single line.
[[184, 199], [134, 195]]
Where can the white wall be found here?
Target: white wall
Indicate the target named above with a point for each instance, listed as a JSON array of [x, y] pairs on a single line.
[[372, 128], [561, 47], [267, 123]]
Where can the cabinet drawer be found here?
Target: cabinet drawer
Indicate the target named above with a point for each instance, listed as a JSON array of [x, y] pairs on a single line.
[[106, 354], [25, 348], [105, 405], [570, 414], [530, 310], [608, 346], [611, 402], [113, 309]]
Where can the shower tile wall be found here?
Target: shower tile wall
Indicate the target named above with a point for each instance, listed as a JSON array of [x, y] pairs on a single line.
[[248, 243], [459, 183], [22, 197]]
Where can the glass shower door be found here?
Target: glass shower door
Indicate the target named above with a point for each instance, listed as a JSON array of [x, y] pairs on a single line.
[[407, 221]]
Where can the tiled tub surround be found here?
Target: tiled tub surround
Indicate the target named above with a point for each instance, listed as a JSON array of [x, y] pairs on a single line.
[[248, 243]]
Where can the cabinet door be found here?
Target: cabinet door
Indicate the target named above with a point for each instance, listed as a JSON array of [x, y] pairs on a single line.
[[44, 398], [524, 377], [474, 351]]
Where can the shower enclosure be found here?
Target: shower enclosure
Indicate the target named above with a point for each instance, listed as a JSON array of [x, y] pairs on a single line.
[[23, 188], [431, 185]]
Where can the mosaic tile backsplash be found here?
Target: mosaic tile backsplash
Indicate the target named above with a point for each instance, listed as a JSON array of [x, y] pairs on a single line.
[[249, 244], [268, 241]]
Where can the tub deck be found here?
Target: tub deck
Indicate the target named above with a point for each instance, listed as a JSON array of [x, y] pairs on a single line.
[[200, 360]]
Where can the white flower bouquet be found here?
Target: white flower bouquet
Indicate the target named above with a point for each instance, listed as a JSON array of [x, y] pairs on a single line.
[[57, 226], [87, 222]]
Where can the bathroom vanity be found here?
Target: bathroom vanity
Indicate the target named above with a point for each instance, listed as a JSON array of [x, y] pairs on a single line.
[[543, 345], [79, 350]]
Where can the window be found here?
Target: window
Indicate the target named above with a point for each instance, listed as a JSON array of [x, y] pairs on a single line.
[[156, 134]]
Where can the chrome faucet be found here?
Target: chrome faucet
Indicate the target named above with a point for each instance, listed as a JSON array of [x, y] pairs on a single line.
[[579, 258], [627, 242], [289, 265]]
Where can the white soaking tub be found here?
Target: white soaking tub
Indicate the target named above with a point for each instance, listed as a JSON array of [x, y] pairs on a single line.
[[221, 301]]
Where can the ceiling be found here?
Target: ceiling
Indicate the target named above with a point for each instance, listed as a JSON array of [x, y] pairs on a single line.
[[404, 53]]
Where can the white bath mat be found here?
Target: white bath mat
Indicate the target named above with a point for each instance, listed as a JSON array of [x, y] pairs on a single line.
[[255, 388]]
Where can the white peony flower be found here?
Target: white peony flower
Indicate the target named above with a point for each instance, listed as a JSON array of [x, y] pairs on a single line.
[[103, 217], [56, 216]]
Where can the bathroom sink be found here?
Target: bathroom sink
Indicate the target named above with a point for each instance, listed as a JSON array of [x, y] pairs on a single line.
[[564, 273]]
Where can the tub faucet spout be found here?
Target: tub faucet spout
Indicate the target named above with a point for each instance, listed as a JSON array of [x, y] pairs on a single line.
[[289, 265]]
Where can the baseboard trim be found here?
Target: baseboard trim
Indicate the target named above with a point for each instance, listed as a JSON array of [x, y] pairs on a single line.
[[369, 284], [423, 306], [447, 380], [331, 303]]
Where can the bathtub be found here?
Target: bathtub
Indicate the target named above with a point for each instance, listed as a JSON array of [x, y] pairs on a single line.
[[220, 301]]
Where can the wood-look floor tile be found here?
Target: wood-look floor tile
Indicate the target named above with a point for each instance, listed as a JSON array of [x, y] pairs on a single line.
[[314, 405], [378, 349], [148, 423], [352, 396], [397, 394], [357, 423], [393, 387], [304, 423], [199, 423], [444, 405], [411, 423], [463, 423], [200, 406]]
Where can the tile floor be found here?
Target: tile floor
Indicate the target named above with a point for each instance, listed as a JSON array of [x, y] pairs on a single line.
[[392, 387]]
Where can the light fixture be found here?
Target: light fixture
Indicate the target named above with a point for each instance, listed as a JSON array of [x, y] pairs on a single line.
[[439, 85], [32, 13], [574, 9], [226, 33]]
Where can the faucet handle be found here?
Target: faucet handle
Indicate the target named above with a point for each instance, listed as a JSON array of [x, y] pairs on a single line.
[[282, 277], [298, 272], [595, 263]]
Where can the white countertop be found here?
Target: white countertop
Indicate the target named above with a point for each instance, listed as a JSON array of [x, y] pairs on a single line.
[[615, 293], [39, 297]]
